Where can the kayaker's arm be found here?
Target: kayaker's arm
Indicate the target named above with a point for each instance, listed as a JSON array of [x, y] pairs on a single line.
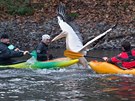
[[13, 48], [107, 59], [7, 53], [114, 61]]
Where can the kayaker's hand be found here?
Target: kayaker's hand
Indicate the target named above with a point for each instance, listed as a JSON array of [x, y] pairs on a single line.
[[105, 58], [25, 52], [17, 49]]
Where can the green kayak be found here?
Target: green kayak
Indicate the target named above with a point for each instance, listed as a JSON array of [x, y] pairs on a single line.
[[52, 64]]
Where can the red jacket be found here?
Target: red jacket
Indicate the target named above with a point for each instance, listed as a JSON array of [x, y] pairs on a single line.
[[127, 59]]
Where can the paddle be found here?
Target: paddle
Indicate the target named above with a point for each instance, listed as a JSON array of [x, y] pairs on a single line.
[[33, 53], [93, 57], [75, 55]]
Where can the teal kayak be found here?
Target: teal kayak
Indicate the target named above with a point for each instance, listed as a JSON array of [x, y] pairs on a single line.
[[51, 64]]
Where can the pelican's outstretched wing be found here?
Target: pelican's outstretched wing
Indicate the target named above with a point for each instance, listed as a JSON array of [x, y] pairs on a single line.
[[98, 37]]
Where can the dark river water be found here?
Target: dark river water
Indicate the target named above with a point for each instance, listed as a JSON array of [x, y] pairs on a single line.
[[69, 84]]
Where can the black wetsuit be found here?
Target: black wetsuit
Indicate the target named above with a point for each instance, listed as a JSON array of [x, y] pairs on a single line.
[[6, 54], [42, 52]]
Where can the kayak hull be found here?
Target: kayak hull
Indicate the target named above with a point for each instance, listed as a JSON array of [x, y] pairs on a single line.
[[107, 68], [52, 64]]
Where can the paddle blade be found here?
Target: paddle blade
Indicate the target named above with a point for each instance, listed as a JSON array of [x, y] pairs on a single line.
[[34, 54], [72, 55]]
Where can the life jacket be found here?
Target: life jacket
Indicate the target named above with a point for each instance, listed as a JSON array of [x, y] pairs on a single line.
[[127, 59]]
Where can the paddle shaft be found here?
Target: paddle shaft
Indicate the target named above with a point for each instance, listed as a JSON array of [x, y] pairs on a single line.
[[87, 56], [27, 53]]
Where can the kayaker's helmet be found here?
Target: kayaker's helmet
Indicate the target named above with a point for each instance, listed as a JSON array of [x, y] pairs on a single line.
[[126, 45]]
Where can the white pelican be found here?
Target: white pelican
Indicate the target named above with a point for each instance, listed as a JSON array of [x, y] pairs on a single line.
[[69, 30]]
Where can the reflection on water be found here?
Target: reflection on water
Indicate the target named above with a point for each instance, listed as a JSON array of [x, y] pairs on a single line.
[[123, 89], [68, 84]]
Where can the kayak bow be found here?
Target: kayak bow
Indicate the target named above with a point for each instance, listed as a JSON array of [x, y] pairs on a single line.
[[107, 68]]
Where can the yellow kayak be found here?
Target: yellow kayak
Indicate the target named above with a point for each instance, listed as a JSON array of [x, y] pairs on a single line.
[[107, 68]]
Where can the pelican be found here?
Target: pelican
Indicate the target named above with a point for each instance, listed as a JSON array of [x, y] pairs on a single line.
[[71, 32]]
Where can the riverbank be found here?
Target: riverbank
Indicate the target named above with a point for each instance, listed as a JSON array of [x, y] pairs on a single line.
[[26, 31]]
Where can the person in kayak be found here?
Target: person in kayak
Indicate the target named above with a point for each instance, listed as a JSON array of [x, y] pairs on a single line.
[[7, 54], [126, 58], [42, 49]]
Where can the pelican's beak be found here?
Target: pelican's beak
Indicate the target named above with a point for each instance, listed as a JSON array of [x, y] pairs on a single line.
[[61, 35]]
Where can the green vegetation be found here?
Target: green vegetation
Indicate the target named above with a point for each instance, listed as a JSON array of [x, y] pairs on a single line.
[[74, 15], [19, 7]]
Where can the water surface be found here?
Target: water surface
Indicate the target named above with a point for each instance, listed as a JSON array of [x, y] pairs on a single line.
[[74, 83]]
